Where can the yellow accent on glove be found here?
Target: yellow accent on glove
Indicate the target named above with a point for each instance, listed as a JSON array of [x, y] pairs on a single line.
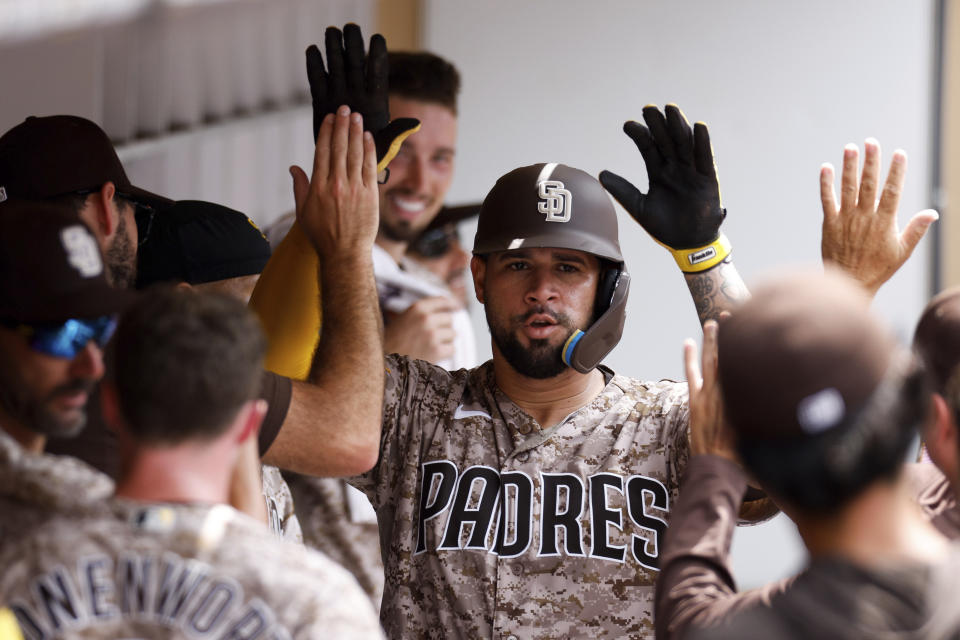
[[9, 629], [700, 258], [287, 300], [394, 147]]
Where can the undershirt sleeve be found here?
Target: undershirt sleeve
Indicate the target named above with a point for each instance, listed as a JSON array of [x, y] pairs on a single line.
[[277, 391]]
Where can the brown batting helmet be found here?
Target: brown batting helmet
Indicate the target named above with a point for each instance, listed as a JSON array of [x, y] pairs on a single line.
[[552, 205]]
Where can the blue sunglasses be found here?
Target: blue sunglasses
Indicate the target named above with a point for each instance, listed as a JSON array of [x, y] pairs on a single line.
[[70, 338]]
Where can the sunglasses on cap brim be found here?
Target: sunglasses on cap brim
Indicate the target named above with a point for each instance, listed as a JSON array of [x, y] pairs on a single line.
[[67, 339]]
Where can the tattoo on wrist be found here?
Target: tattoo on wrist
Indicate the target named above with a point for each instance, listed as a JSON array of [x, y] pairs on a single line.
[[716, 290]]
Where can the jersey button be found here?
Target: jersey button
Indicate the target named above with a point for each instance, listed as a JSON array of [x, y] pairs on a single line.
[[524, 428], [511, 637], [523, 456]]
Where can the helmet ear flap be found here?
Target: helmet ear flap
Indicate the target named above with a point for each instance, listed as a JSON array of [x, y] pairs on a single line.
[[606, 285], [584, 350]]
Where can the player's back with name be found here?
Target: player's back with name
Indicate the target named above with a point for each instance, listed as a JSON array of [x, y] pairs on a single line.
[[176, 571]]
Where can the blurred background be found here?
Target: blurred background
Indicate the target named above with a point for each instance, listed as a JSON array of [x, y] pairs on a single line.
[[207, 99]]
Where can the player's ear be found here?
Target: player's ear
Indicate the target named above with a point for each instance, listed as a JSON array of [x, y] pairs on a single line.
[[478, 269], [941, 438], [250, 418]]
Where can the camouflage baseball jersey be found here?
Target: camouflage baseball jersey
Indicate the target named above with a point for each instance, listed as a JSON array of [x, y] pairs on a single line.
[[35, 486], [335, 523], [177, 571], [280, 514], [493, 526]]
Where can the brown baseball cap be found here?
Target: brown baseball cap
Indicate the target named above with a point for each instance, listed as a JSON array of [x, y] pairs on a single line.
[[821, 399], [801, 357], [46, 157], [51, 269], [936, 339]]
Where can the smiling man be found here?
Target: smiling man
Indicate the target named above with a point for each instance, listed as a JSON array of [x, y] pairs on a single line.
[[528, 497], [421, 319]]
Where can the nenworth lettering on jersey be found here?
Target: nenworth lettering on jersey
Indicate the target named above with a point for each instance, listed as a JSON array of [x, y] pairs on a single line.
[[482, 509], [157, 589]]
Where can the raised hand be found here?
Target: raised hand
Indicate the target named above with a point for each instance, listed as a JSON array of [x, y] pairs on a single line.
[[357, 79], [709, 433], [338, 210], [861, 235], [682, 208]]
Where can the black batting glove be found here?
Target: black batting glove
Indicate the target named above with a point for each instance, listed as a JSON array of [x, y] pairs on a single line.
[[359, 80], [681, 210]]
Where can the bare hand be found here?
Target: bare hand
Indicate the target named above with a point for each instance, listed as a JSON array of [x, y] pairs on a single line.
[[424, 331], [709, 433], [861, 235], [339, 208]]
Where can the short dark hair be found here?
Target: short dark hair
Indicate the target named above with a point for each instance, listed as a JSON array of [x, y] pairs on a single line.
[[424, 76], [184, 363], [77, 201]]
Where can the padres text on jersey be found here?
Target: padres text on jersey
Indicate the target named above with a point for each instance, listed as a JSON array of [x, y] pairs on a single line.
[[569, 505]]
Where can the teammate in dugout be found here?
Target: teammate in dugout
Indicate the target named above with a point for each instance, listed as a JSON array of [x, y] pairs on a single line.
[[56, 314], [861, 237], [167, 558], [937, 342], [337, 518], [826, 437], [208, 247], [529, 496]]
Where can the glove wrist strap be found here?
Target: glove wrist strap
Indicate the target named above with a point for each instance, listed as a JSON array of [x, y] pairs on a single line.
[[702, 258]]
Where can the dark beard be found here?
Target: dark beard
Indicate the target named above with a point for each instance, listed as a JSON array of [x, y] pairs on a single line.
[[33, 413], [399, 232], [121, 258], [540, 360]]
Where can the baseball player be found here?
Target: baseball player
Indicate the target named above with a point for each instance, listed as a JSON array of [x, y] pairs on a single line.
[[935, 343], [865, 242], [826, 436], [167, 558], [861, 236], [210, 247], [56, 314], [421, 319], [528, 497]]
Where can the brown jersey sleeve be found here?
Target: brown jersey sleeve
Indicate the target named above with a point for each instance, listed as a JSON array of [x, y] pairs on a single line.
[[276, 390], [696, 586]]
